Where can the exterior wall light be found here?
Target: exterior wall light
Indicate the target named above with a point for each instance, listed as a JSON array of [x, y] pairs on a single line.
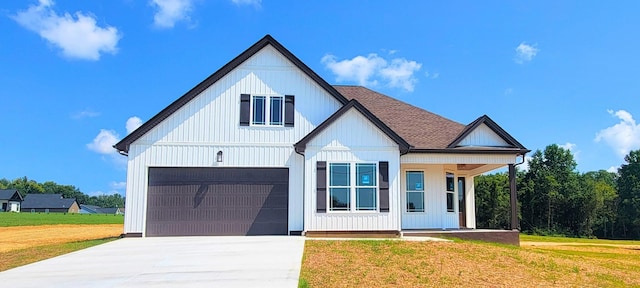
[[219, 156]]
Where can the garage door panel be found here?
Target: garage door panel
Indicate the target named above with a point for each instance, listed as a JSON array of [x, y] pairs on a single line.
[[217, 201]]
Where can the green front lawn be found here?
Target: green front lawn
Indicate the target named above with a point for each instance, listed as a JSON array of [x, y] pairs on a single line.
[[35, 219]]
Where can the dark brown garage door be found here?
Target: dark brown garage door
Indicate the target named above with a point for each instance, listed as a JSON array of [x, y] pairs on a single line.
[[217, 201]]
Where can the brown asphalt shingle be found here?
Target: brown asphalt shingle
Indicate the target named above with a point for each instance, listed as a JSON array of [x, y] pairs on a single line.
[[420, 128]]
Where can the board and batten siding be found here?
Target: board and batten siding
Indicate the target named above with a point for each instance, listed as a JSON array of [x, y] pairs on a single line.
[[483, 136], [192, 136], [351, 138], [435, 213]]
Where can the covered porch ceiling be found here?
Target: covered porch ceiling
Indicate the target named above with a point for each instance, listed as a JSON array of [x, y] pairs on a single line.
[[477, 169]]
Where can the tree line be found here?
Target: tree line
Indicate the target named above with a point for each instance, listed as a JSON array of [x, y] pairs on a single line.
[[26, 186], [555, 199]]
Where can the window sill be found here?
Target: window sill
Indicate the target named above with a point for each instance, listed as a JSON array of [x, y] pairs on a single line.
[[352, 212], [265, 126]]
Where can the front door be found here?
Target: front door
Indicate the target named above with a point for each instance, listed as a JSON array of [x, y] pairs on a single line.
[[461, 203]]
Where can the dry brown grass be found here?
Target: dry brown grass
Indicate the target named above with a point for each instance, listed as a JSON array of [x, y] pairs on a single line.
[[466, 264], [22, 237], [21, 257]]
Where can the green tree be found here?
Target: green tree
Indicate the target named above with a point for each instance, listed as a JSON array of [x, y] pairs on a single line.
[[492, 201], [604, 196], [26, 186], [551, 193], [629, 193]]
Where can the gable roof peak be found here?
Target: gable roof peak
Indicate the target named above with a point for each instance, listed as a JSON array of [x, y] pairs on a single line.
[[486, 120], [123, 145], [353, 104]]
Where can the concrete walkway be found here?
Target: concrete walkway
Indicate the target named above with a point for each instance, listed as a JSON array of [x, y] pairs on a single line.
[[258, 261]]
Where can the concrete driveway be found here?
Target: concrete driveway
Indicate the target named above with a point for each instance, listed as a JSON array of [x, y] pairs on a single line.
[[257, 261]]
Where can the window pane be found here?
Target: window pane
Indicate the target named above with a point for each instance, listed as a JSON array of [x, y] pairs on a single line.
[[276, 111], [450, 202], [450, 182], [415, 181], [258, 110], [339, 199], [415, 201], [366, 199], [339, 174], [366, 174]]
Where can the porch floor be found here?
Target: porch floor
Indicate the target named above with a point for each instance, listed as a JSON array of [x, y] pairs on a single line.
[[510, 237]]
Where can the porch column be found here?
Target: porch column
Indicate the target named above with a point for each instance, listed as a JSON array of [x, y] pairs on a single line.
[[514, 197]]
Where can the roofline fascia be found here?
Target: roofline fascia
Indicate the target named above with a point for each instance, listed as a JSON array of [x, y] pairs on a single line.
[[470, 151]]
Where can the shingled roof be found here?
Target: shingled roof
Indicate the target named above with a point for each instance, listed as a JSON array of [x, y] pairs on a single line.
[[44, 201], [11, 194], [423, 130], [420, 128]]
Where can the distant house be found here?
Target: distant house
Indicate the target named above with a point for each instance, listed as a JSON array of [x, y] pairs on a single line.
[[92, 209], [10, 200], [49, 203]]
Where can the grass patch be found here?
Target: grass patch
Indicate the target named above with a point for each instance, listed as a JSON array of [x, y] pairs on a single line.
[[21, 257], [553, 239], [465, 264], [36, 219]]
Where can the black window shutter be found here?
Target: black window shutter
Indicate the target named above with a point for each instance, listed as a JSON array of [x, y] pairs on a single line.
[[289, 110], [321, 183], [384, 186], [245, 105]]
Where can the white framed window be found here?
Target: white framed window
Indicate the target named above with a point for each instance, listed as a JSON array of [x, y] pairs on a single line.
[[451, 189], [339, 187], [353, 187], [267, 110], [415, 191]]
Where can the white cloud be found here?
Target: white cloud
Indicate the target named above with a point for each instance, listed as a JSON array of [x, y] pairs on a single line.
[[171, 11], [622, 137], [118, 185], [373, 69], [568, 146], [133, 123], [400, 73], [255, 3], [88, 113], [103, 143], [525, 53], [613, 169], [78, 37]]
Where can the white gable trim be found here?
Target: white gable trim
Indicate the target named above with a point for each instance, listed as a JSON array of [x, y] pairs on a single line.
[[483, 136], [352, 131]]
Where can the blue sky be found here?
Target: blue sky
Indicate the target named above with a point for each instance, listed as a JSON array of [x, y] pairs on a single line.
[[77, 75]]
